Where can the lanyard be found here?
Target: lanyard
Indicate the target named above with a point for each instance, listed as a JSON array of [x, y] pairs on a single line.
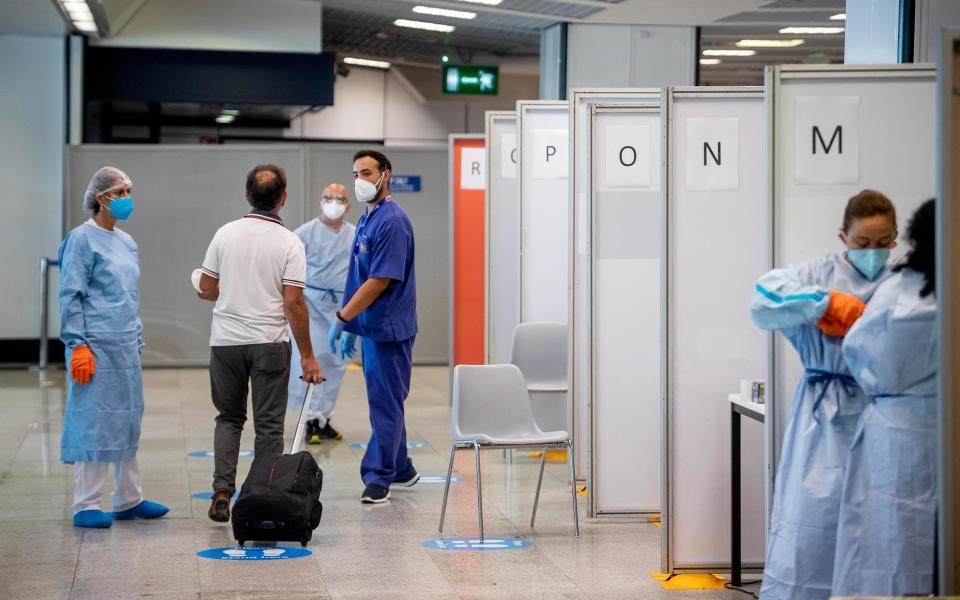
[[362, 224]]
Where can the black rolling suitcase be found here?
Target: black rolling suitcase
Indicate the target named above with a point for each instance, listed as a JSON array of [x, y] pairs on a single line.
[[280, 498]]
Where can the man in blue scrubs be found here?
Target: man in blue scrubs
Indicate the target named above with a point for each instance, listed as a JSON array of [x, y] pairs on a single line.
[[380, 306]]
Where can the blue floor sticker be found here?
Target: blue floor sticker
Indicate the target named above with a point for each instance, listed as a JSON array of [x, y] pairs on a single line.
[[209, 454], [209, 496], [410, 446], [439, 479], [475, 544], [254, 553]]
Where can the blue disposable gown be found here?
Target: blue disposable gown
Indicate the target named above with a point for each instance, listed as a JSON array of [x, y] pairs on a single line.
[[885, 540], [328, 258], [826, 408], [100, 307]]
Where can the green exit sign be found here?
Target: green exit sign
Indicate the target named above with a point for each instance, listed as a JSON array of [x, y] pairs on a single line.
[[467, 79]]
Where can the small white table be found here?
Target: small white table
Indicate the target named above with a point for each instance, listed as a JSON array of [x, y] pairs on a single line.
[[758, 412]]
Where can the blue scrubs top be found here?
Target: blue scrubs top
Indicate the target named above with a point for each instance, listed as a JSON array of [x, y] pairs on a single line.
[[383, 247]]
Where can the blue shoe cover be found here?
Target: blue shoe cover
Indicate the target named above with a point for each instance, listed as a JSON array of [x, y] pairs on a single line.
[[94, 519], [145, 510]]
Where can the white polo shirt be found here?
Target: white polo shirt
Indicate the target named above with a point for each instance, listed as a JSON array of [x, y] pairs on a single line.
[[253, 257]]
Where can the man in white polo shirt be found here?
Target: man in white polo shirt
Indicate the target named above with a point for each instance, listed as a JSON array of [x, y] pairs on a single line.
[[255, 269]]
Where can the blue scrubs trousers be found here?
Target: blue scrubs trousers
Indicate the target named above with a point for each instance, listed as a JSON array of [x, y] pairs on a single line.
[[386, 370]]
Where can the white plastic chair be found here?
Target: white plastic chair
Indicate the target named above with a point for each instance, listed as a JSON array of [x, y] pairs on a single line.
[[491, 409], [540, 352]]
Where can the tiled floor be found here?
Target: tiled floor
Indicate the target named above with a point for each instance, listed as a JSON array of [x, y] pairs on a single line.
[[359, 551]]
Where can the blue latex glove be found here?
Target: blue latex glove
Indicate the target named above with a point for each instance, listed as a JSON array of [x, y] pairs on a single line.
[[333, 336], [348, 348]]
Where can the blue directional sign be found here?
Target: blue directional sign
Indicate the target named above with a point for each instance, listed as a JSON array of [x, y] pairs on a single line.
[[476, 544], [404, 183], [254, 553]]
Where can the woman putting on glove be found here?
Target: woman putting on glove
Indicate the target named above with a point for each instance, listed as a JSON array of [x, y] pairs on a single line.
[[814, 304]]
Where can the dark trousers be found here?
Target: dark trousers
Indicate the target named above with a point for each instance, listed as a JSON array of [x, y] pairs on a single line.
[[267, 368], [386, 370]]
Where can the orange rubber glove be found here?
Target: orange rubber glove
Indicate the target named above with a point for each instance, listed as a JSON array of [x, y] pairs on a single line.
[[842, 313], [82, 365]]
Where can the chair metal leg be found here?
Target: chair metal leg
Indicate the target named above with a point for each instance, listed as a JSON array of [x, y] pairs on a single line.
[[446, 486], [573, 487], [536, 498], [508, 454], [476, 449]]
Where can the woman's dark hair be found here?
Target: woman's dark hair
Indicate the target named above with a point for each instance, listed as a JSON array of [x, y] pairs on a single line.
[[868, 203], [922, 232], [382, 161], [265, 186]]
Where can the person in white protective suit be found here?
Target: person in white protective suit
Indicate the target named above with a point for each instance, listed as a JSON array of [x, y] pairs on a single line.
[[888, 512], [328, 240], [813, 304]]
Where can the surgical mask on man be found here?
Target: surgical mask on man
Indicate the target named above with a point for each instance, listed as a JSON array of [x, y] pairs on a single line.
[[869, 261], [366, 191], [333, 210], [121, 208]]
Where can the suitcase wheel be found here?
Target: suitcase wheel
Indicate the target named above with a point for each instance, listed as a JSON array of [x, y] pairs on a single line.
[[241, 542]]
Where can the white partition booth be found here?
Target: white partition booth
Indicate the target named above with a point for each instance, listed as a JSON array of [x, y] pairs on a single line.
[[503, 236], [544, 196], [625, 309], [542, 146], [835, 130], [579, 377], [716, 213]]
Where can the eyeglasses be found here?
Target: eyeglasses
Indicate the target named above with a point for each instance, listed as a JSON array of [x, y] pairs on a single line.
[[340, 199]]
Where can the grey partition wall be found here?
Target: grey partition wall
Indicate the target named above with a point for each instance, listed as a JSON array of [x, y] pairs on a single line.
[[182, 195], [716, 216], [625, 320], [833, 131], [579, 375], [203, 186], [542, 145], [502, 279], [948, 286]]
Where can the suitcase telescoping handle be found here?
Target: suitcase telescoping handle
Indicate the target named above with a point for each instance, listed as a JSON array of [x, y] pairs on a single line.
[[302, 421]]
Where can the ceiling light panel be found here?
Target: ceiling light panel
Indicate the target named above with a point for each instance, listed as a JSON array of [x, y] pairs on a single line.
[[729, 52], [839, 17], [444, 12], [811, 30], [364, 62], [427, 26], [709, 61], [769, 43], [486, 2], [80, 16]]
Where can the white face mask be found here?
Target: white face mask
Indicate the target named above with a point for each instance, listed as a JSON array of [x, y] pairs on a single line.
[[366, 191], [333, 210]]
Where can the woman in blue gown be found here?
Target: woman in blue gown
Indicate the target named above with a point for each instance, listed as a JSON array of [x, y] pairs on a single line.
[[813, 304], [101, 329], [885, 540]]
